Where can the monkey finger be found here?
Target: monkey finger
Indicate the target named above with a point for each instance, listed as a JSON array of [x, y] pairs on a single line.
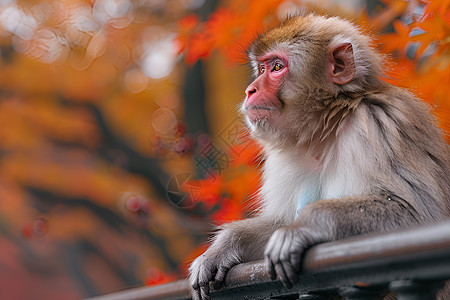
[[206, 274], [205, 292], [195, 288], [288, 272], [291, 274], [282, 275], [196, 295], [204, 277], [270, 269], [285, 258], [220, 277], [276, 243], [295, 259], [272, 253], [272, 242], [195, 285], [279, 255]]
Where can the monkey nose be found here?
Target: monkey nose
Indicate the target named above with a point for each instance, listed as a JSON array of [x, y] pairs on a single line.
[[250, 91]]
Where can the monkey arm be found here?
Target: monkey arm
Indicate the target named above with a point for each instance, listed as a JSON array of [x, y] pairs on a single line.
[[329, 220], [236, 242]]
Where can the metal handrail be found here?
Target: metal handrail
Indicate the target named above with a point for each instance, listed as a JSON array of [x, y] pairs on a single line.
[[413, 259]]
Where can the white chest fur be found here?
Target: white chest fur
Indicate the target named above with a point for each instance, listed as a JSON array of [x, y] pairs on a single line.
[[290, 178], [293, 179]]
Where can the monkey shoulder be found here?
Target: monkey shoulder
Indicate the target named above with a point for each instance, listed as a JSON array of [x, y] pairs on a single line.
[[408, 140], [401, 110]]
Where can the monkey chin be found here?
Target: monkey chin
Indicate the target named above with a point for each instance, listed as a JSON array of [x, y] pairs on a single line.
[[263, 121], [261, 115]]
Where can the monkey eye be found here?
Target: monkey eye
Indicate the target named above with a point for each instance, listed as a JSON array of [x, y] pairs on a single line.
[[261, 69], [277, 67]]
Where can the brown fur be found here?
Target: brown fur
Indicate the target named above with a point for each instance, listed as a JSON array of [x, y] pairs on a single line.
[[370, 152]]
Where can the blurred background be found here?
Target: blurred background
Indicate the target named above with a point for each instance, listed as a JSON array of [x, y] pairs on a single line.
[[121, 145]]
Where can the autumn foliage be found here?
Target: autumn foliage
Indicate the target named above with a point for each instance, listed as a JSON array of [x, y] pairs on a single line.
[[423, 56], [229, 29], [83, 208]]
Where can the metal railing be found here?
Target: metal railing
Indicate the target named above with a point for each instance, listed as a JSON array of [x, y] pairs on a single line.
[[411, 263]]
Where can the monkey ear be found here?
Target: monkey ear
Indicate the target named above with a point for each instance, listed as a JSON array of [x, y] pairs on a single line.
[[341, 64]]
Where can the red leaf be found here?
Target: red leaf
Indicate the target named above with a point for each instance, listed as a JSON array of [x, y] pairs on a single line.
[[398, 40]]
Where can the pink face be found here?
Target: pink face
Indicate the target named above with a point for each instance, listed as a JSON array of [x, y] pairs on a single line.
[[261, 102]]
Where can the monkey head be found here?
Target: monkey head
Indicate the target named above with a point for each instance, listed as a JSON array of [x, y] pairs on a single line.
[[299, 70]]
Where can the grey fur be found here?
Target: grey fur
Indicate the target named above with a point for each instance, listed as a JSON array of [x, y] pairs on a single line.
[[375, 157]]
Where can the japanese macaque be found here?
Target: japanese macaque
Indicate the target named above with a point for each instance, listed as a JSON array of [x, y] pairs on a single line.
[[346, 153]]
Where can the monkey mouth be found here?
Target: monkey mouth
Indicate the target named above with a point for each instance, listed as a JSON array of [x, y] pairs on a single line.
[[257, 113]]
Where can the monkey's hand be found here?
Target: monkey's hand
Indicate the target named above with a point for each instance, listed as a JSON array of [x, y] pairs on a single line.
[[212, 266], [285, 249], [236, 242]]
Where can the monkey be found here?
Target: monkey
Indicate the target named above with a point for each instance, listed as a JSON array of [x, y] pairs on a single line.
[[345, 152]]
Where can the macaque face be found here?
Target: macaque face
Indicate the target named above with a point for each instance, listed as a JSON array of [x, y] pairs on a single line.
[[296, 67], [262, 104]]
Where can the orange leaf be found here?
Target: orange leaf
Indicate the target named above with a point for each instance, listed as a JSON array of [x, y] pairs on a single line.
[[229, 211], [188, 23], [398, 40], [435, 31], [207, 191], [442, 6], [199, 46]]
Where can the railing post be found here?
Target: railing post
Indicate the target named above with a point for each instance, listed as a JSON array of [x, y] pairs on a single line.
[[362, 293], [415, 290]]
